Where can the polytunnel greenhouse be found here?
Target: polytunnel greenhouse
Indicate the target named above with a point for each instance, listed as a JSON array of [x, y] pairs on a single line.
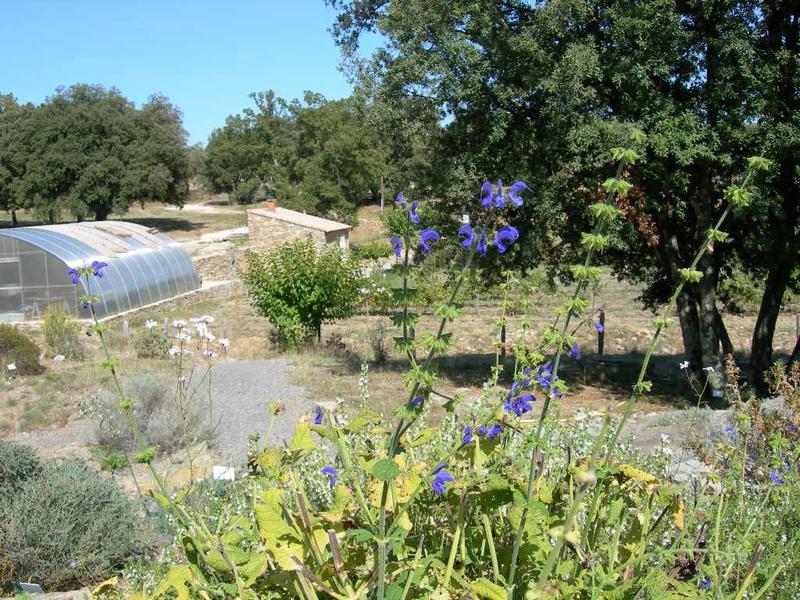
[[144, 267]]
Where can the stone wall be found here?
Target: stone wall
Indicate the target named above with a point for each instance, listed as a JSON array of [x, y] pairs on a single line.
[[267, 233]]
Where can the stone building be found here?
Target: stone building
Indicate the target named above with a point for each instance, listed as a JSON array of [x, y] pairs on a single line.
[[271, 225]]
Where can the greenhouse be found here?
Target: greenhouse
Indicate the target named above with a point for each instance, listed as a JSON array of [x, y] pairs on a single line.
[[144, 267]]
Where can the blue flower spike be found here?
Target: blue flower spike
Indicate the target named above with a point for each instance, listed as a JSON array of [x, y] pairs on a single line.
[[318, 416], [397, 245], [514, 193], [426, 238], [504, 237], [468, 234], [332, 474], [441, 477]]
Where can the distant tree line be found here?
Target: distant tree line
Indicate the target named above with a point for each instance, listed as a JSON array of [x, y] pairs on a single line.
[[322, 156], [540, 90], [87, 151]]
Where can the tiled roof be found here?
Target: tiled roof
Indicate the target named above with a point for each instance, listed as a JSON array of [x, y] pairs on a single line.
[[301, 219]]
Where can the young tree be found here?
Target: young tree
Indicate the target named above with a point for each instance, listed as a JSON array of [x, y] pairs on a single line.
[[298, 287]]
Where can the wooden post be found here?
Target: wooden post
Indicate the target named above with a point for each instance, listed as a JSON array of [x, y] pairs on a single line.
[[125, 327], [503, 342], [382, 193], [601, 335]]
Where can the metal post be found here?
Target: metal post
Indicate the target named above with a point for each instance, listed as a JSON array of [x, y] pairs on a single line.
[[601, 335]]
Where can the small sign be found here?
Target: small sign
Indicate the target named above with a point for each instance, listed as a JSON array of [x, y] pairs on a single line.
[[32, 588], [222, 473]]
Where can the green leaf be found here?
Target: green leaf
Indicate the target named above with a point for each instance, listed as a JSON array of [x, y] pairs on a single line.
[[618, 186], [605, 212], [690, 275], [626, 156], [759, 163], [642, 387], [385, 469], [594, 241], [484, 588], [737, 196], [716, 235], [302, 439]]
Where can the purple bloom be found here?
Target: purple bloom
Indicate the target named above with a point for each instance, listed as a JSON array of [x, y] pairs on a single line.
[[97, 267], [499, 199], [791, 428], [543, 375], [599, 326], [332, 475], [730, 430], [526, 383], [400, 200], [73, 564], [467, 438], [486, 194], [494, 431], [705, 583], [416, 402], [776, 477], [519, 406], [504, 237], [412, 213], [483, 245], [426, 238], [440, 479], [514, 192], [397, 245], [75, 274], [482, 430], [556, 393], [318, 416], [575, 352], [469, 236]]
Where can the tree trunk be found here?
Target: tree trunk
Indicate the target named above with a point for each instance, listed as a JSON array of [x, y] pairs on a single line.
[[690, 328], [761, 348], [101, 214], [795, 355], [709, 342], [14, 222], [722, 333]]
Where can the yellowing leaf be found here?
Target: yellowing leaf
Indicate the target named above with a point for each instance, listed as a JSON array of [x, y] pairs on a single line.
[[106, 586], [280, 538], [633, 473], [484, 588], [302, 439], [680, 514]]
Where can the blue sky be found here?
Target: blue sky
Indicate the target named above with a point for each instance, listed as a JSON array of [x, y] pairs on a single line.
[[205, 56]]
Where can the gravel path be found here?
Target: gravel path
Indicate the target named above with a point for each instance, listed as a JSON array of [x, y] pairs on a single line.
[[241, 392]]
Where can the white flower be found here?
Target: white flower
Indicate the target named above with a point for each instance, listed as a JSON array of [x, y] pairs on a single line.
[[684, 365], [210, 354], [59, 358], [179, 324], [708, 369], [224, 342], [11, 366], [183, 337], [664, 438], [150, 324], [174, 351]]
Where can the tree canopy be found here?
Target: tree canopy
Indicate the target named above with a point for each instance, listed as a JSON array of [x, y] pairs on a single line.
[[88, 151], [540, 91]]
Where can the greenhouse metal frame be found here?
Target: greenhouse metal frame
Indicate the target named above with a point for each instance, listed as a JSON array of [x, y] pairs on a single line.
[[144, 267]]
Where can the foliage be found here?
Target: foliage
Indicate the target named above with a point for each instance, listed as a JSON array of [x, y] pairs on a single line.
[[151, 342], [89, 525], [17, 349], [373, 250], [61, 333], [298, 287], [17, 463], [378, 344], [88, 151], [156, 408]]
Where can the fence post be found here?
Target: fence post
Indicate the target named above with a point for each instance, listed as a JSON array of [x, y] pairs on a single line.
[[601, 334]]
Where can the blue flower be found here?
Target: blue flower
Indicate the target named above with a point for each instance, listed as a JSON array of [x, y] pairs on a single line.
[[469, 236], [514, 192], [504, 237], [318, 416], [499, 199], [97, 268], [332, 475], [412, 213], [776, 477], [440, 479], [426, 238], [575, 352], [599, 326], [397, 245], [555, 392], [417, 402], [486, 194], [519, 406], [705, 583], [494, 431], [730, 430], [401, 200], [467, 438], [75, 274], [791, 428], [482, 430], [483, 245], [526, 383], [543, 375]]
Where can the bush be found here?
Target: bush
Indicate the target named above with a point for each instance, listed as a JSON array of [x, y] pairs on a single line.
[[17, 348], [61, 333], [163, 422], [67, 527], [17, 463], [245, 192], [298, 287], [151, 342], [373, 250]]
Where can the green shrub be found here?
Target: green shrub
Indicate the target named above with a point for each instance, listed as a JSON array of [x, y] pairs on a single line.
[[151, 342], [17, 348], [245, 192], [163, 422], [299, 287], [373, 250], [67, 527], [61, 333], [17, 463]]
